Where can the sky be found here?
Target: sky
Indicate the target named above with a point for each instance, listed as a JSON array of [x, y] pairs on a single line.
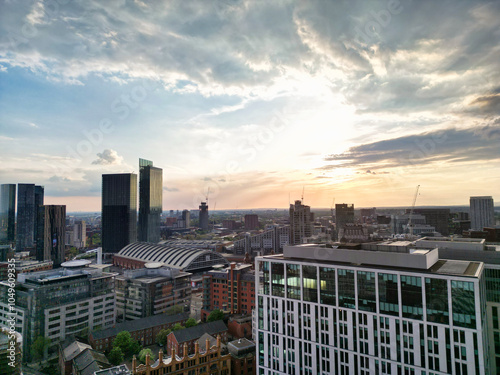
[[260, 102]]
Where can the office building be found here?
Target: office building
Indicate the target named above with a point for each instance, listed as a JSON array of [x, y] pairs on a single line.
[[482, 212], [7, 212], [26, 214], [301, 220], [203, 216], [344, 214], [152, 290], [39, 196], [150, 201], [251, 222], [51, 231], [119, 211], [438, 218], [380, 309], [400, 222], [10, 352], [230, 289], [186, 218], [72, 300], [79, 236]]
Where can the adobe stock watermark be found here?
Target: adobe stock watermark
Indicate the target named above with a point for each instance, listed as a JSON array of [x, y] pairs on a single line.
[[247, 152], [379, 20], [11, 321]]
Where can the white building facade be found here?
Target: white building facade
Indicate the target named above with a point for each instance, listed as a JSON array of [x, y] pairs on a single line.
[[335, 311]]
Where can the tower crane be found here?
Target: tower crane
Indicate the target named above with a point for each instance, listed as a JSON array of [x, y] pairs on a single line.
[[410, 225]]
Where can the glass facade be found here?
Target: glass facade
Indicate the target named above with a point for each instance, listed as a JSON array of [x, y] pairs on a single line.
[[293, 281], [278, 279], [150, 201], [388, 294], [411, 297], [463, 304], [436, 300], [367, 300], [346, 288], [327, 286], [7, 212], [310, 283]]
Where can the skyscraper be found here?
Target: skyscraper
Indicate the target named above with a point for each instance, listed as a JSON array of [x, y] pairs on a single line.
[[25, 216], [203, 216], [482, 212], [7, 212], [39, 195], [51, 233], [150, 201], [119, 211], [300, 223], [344, 213], [186, 218]]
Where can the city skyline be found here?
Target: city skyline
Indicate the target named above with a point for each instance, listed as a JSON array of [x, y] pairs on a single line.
[[255, 101]]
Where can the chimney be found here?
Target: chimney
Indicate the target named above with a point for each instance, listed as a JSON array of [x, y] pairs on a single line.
[[160, 356], [185, 350]]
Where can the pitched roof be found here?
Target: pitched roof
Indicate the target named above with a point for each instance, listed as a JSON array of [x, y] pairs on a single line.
[[196, 332], [138, 324], [117, 370], [73, 349], [90, 361]]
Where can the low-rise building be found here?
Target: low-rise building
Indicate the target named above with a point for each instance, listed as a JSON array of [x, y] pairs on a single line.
[[242, 357], [68, 350], [189, 336], [143, 330], [88, 362]]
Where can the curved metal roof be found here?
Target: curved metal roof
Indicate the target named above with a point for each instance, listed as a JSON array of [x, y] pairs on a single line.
[[183, 257]]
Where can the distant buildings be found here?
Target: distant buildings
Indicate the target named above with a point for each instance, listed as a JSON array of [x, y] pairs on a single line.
[[7, 212], [79, 234], [119, 211], [272, 239], [379, 309], [301, 220], [51, 232], [203, 217], [344, 214], [186, 218], [150, 201], [72, 300], [438, 218], [251, 222], [152, 290], [482, 212]]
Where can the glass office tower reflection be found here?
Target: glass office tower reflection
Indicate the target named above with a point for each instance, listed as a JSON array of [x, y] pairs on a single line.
[[150, 201], [8, 212], [119, 211]]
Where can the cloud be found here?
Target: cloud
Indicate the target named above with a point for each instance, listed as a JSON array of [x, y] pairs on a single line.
[[59, 179], [108, 157], [449, 146], [170, 189]]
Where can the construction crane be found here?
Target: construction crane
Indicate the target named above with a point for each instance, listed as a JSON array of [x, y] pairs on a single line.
[[410, 225]]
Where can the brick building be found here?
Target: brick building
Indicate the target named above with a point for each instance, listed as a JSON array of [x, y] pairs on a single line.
[[143, 330], [251, 221], [231, 289], [242, 357], [210, 360], [189, 336]]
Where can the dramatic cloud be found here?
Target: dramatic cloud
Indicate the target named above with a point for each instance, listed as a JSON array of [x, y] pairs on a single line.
[[108, 157]]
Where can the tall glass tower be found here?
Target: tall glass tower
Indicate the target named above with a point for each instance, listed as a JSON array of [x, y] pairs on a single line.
[[150, 201], [119, 211], [7, 212], [51, 233]]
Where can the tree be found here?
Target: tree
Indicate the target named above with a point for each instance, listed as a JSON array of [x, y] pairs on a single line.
[[215, 315], [177, 309], [134, 348], [177, 327], [116, 356], [161, 337], [38, 347], [191, 322], [126, 343], [143, 353]]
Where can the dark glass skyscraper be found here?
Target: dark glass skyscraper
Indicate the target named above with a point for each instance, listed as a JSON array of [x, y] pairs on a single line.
[[203, 217], [150, 201], [119, 211], [29, 197], [7, 212], [51, 233]]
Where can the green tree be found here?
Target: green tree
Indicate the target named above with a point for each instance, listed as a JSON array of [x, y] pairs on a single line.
[[143, 353], [215, 315], [38, 347], [177, 309], [191, 322], [177, 327], [134, 348], [123, 340], [161, 337], [116, 356]]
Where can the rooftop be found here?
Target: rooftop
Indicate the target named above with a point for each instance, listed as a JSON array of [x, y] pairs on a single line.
[[117, 370], [193, 333]]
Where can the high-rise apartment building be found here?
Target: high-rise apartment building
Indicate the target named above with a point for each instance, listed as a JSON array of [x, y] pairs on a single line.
[[482, 212], [203, 216], [251, 221], [72, 300], [51, 232], [150, 201], [382, 309], [186, 218], [79, 239], [119, 211], [301, 220], [344, 214], [7, 212]]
